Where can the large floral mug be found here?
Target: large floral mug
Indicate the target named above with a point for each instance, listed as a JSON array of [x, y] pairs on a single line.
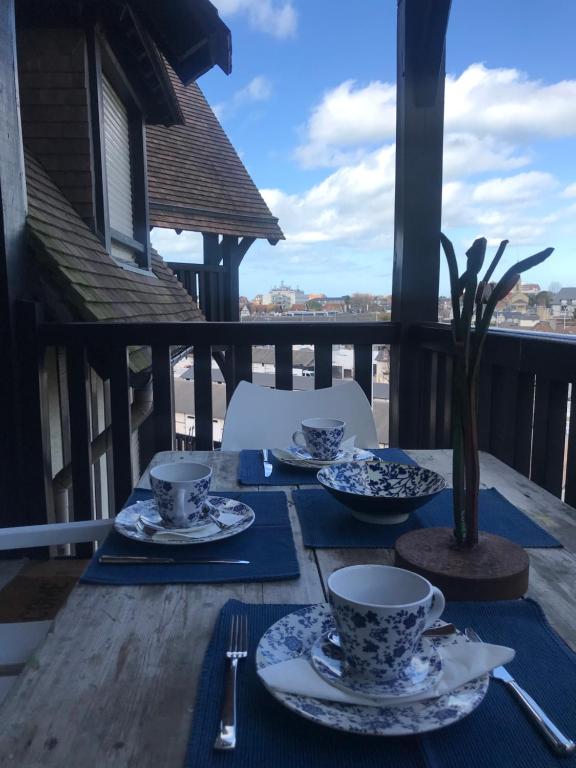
[[381, 613], [180, 490]]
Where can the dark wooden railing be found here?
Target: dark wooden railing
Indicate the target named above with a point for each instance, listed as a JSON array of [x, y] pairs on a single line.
[[234, 341], [526, 389], [206, 284], [527, 402]]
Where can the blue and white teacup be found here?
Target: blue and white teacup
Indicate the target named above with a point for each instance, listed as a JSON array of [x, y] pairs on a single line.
[[180, 490], [321, 437], [381, 613]]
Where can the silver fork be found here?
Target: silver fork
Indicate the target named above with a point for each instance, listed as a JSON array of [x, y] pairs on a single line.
[[553, 735], [237, 649]]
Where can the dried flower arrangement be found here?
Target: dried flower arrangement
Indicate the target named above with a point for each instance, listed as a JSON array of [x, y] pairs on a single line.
[[473, 304]]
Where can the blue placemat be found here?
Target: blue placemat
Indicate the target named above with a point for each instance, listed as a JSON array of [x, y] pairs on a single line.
[[327, 523], [497, 735], [251, 469], [268, 544]]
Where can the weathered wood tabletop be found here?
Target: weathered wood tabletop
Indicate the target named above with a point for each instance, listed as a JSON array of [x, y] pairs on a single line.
[[114, 684]]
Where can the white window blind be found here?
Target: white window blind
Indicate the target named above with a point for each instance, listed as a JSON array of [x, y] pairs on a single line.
[[118, 168]]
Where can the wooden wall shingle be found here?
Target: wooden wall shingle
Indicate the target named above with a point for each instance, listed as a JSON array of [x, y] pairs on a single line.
[[55, 110]]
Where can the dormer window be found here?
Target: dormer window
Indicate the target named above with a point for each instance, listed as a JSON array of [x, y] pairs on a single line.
[[119, 161]]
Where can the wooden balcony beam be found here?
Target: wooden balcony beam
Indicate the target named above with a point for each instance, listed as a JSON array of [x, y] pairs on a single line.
[[418, 201]]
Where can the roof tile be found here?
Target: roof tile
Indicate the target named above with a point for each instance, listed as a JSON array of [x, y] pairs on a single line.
[[197, 182]]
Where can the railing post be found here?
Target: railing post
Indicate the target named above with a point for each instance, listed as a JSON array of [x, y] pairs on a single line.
[[121, 426], [203, 398], [418, 201], [36, 502], [163, 398], [80, 437]]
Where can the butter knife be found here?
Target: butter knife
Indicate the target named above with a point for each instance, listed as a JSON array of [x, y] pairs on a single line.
[[559, 743], [266, 462], [145, 560]]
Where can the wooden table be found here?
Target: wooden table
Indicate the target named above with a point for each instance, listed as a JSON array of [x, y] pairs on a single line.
[[114, 684]]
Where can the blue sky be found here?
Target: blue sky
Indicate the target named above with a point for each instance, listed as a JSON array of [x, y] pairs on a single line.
[[310, 109]]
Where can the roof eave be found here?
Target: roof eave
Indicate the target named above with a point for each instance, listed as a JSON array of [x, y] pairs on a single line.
[[190, 34]]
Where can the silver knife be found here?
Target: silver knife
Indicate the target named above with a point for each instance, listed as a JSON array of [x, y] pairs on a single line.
[[266, 462], [145, 560], [559, 743]]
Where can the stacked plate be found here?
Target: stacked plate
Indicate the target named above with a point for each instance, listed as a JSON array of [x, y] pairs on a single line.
[[142, 522], [306, 634], [295, 456]]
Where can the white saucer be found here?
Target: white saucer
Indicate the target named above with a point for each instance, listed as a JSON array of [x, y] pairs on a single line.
[[295, 634], [240, 515], [295, 456], [422, 673]]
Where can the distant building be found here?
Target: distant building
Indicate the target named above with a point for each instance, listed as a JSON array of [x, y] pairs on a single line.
[[563, 303], [531, 289], [284, 296], [517, 302]]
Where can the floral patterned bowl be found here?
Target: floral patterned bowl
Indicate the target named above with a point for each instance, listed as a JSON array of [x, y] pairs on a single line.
[[381, 491]]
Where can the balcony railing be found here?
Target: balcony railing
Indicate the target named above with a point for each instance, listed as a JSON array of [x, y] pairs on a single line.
[[527, 402], [232, 342], [527, 413]]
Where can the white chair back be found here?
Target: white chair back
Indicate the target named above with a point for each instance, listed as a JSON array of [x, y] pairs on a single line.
[[261, 417]]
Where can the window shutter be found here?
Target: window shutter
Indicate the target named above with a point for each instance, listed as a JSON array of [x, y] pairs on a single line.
[[118, 167]]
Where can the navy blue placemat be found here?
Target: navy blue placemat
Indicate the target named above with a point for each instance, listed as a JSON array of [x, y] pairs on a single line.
[[268, 544], [251, 468], [497, 735], [327, 523]]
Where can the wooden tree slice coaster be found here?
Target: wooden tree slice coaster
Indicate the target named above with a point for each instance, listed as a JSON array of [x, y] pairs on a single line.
[[497, 569]]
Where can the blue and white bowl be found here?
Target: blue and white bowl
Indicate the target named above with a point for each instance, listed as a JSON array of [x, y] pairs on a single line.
[[381, 491]]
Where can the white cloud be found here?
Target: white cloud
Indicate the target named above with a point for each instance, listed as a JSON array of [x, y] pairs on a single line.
[[343, 225], [259, 89], [466, 155], [522, 188], [346, 117], [187, 246], [274, 17], [352, 206], [506, 103], [491, 110]]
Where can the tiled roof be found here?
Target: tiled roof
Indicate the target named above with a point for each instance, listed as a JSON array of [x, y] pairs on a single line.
[[82, 273], [197, 182], [567, 294]]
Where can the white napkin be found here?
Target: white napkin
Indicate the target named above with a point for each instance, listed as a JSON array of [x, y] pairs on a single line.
[[462, 662], [200, 531]]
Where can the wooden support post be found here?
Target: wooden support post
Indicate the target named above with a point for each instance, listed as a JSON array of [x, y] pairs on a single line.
[[419, 137], [233, 251], [212, 256], [231, 261], [14, 489]]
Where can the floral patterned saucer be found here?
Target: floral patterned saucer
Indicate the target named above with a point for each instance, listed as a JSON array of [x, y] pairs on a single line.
[[420, 675], [295, 456], [239, 516], [295, 634]]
